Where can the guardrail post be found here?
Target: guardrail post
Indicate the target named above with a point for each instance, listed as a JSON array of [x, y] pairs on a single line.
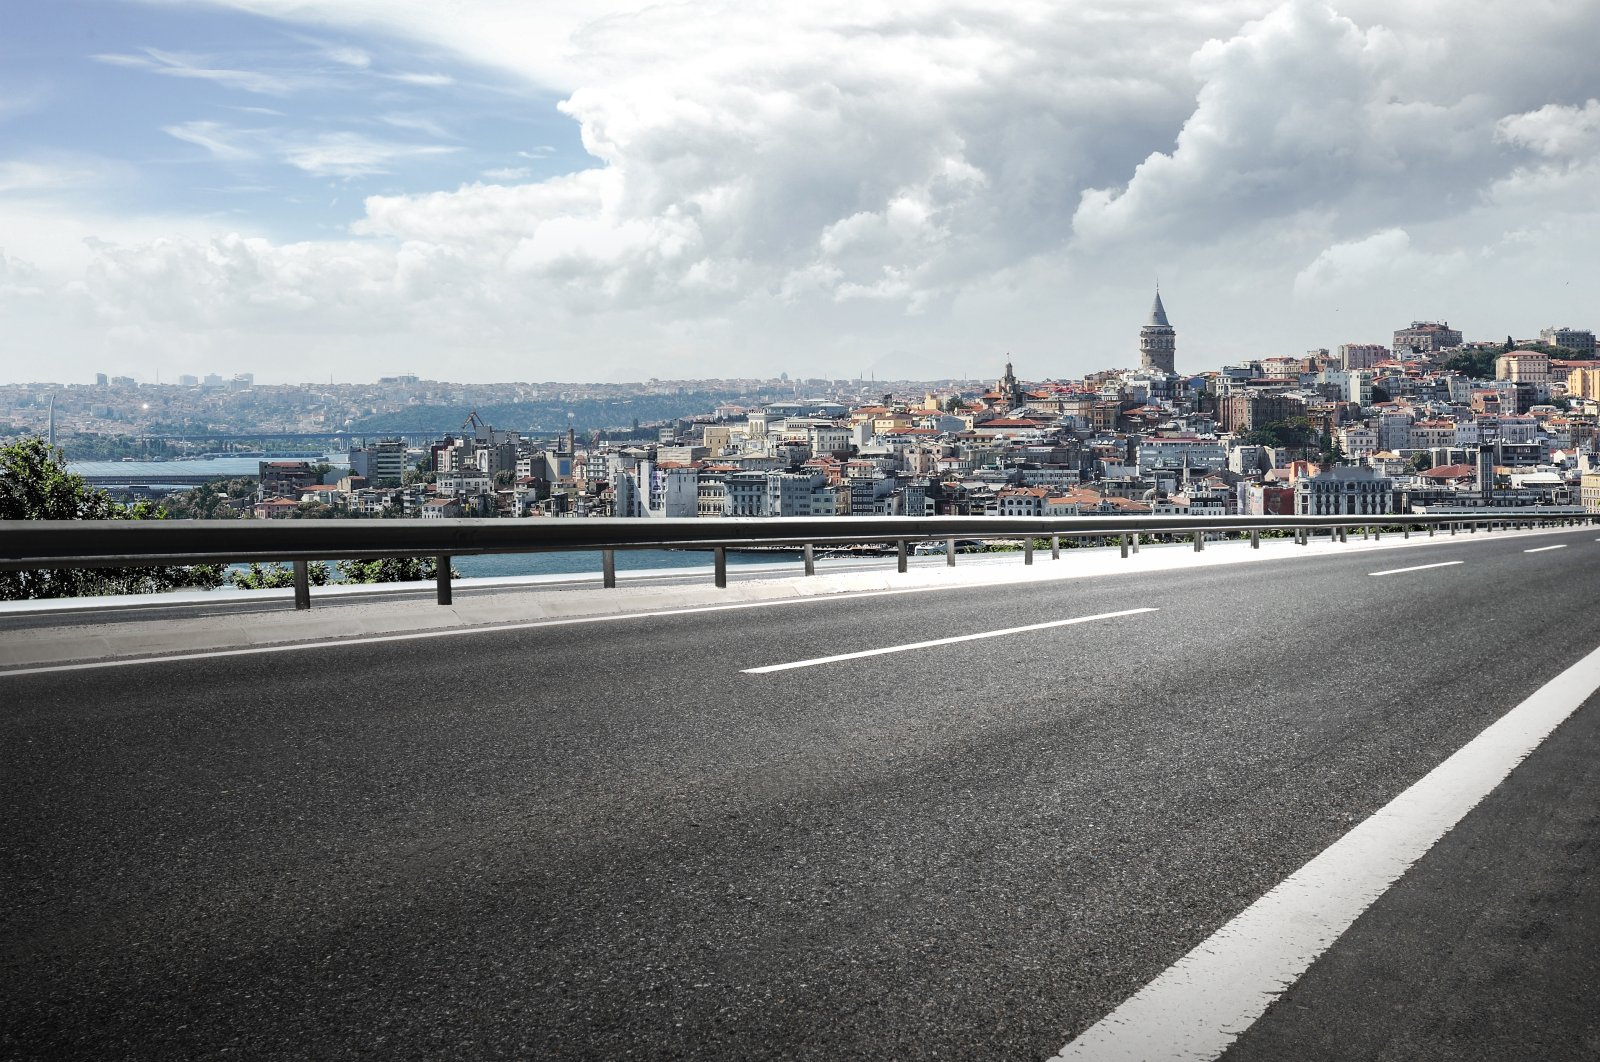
[[900, 555], [1377, 534], [1255, 539], [1136, 542], [810, 554], [302, 586], [1344, 535], [1124, 538], [441, 578], [608, 569], [1055, 547], [1027, 550], [720, 564], [949, 553], [1199, 541]]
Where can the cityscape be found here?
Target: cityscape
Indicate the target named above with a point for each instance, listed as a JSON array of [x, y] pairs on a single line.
[[849, 531], [1431, 423]]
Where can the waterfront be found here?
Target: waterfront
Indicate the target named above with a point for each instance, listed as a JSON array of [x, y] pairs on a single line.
[[501, 565]]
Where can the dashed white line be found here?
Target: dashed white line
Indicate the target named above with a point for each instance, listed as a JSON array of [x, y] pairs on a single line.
[[1541, 549], [1416, 568], [769, 668], [1201, 1003], [444, 632]]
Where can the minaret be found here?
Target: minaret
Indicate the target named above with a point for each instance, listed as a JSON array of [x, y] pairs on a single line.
[[1158, 340], [52, 428]]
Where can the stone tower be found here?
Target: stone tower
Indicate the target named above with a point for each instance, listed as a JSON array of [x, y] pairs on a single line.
[[1009, 387], [1158, 340]]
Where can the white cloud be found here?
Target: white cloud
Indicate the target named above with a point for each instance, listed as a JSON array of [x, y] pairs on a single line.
[[814, 180], [424, 80], [1554, 130], [350, 57], [25, 176], [353, 155], [221, 141], [1362, 267], [13, 102], [169, 64], [417, 123], [17, 277], [333, 154]]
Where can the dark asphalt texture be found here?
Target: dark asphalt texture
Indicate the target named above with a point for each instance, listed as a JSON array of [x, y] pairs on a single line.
[[1489, 949], [604, 841]]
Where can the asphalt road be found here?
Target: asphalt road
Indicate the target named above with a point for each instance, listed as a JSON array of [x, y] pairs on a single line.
[[608, 841]]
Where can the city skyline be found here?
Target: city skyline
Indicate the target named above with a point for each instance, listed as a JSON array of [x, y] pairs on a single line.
[[299, 190]]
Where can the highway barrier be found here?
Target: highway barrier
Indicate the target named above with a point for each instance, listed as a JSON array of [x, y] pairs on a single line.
[[38, 544]]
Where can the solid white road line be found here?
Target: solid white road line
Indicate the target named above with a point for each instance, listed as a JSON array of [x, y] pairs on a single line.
[[1541, 549], [445, 632], [1417, 568], [1201, 1003], [768, 669]]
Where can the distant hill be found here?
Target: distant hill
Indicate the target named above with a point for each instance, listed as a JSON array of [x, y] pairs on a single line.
[[603, 414]]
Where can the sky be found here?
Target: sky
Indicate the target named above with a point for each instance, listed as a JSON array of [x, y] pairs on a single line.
[[495, 190]]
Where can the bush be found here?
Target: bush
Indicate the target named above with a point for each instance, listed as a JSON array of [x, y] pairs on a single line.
[[35, 485], [277, 576]]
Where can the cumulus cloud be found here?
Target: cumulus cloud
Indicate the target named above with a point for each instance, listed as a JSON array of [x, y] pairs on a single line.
[[17, 277], [1383, 258], [810, 177], [1555, 130]]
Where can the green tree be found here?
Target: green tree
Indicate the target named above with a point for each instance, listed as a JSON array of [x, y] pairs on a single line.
[[1420, 462], [1295, 433], [1331, 453], [1478, 364], [35, 485], [391, 570], [277, 576], [209, 501]]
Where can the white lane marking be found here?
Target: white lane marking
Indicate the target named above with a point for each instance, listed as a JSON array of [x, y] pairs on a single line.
[[447, 632], [1416, 568], [768, 669], [1201, 1003], [1541, 549]]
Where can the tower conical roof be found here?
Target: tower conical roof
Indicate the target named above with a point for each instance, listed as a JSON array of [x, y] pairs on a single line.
[[1158, 314]]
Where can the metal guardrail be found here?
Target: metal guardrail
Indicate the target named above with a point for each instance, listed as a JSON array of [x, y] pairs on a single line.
[[35, 544]]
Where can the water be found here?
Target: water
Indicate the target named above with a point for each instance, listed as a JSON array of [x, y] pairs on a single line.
[[499, 565], [503, 565], [221, 467]]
